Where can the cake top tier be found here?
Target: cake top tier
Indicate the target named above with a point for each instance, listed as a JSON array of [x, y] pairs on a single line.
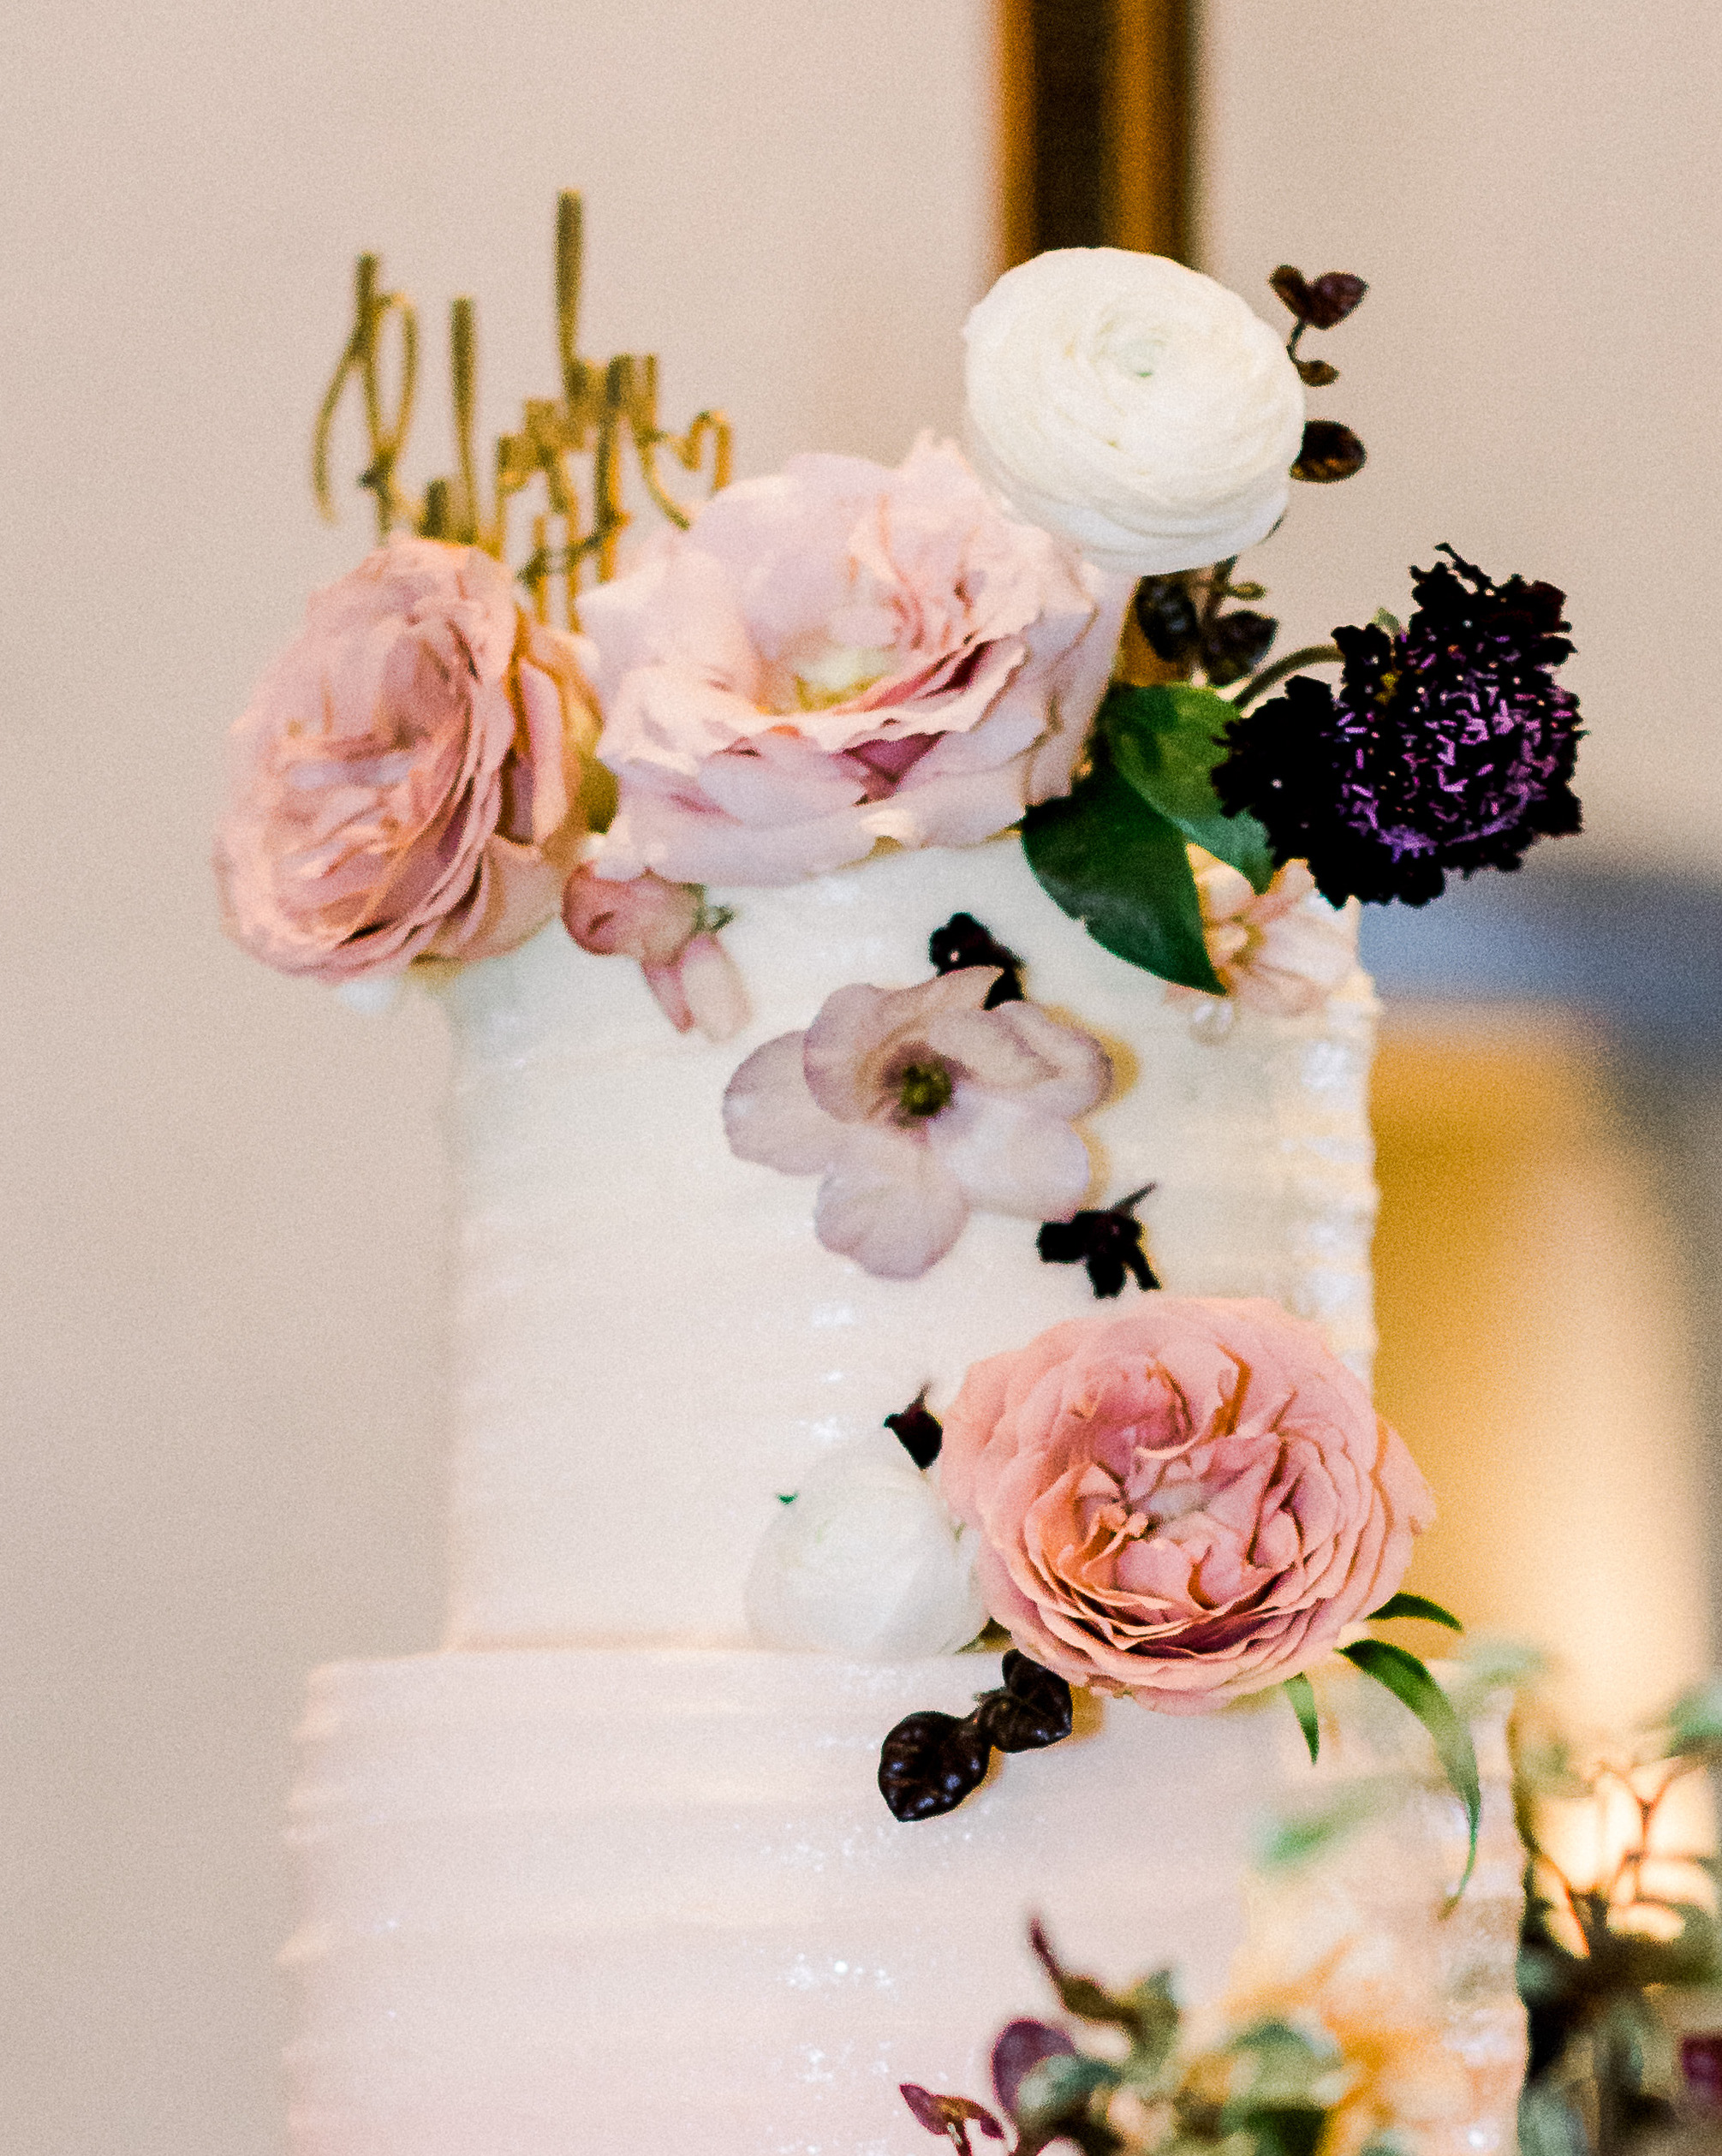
[[655, 1345]]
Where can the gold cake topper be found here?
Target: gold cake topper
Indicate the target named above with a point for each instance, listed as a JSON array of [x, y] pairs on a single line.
[[602, 409]]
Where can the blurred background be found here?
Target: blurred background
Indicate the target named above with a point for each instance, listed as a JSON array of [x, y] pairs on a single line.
[[220, 1378]]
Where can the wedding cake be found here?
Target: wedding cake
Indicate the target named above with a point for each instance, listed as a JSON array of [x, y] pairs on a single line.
[[861, 1257]]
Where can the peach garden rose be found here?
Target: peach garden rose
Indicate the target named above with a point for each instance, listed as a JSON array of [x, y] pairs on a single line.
[[838, 655], [406, 779], [1188, 1502]]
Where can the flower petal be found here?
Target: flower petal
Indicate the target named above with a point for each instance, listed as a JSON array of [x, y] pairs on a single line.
[[888, 1202], [1010, 1157], [770, 1117]]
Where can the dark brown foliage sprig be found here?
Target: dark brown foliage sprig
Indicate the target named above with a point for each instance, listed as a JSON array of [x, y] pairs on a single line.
[[1329, 451], [918, 1430], [931, 1761], [1187, 635], [1108, 1241], [963, 942]]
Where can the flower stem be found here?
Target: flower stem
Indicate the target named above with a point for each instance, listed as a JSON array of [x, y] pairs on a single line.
[[1259, 684]]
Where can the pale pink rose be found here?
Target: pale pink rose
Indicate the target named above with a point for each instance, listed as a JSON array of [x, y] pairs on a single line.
[[841, 654], [666, 928], [1284, 951], [916, 1105], [1188, 1501], [405, 781]]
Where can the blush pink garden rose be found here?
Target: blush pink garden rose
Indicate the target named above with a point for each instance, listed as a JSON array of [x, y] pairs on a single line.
[[1188, 1502], [841, 654], [915, 1105], [405, 780], [1284, 951], [666, 926]]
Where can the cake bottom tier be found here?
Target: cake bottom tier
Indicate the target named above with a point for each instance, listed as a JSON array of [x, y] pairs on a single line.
[[650, 1903]]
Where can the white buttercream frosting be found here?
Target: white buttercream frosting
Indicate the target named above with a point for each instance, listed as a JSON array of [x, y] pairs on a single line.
[[653, 1345], [626, 1904]]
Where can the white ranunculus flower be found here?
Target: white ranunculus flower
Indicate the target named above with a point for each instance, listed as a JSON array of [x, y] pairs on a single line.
[[1134, 406], [866, 1563]]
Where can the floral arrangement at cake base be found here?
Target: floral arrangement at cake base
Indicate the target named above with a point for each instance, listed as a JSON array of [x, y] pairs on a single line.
[[1329, 2063], [1621, 1965]]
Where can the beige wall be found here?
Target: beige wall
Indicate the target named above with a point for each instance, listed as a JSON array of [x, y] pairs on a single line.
[[219, 1380], [1531, 188]]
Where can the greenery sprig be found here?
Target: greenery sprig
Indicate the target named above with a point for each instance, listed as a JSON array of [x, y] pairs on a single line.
[[1594, 1959], [1113, 852], [1410, 1682], [1263, 2091]]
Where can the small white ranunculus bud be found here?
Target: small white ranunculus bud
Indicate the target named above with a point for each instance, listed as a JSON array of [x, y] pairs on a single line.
[[866, 1563], [1134, 406]]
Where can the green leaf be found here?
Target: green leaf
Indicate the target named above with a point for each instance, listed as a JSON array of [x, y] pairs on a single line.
[[1301, 1694], [1409, 1681], [1282, 2129], [1120, 868], [1695, 1720], [1291, 1840], [1058, 2089], [1414, 1605], [1166, 742], [1549, 2127]]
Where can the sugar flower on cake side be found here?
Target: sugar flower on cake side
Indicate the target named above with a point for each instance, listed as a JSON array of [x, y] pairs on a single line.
[[1188, 1502], [406, 783], [915, 1105], [838, 655]]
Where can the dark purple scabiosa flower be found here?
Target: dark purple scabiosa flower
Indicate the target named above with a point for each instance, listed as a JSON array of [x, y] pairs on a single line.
[[1446, 746]]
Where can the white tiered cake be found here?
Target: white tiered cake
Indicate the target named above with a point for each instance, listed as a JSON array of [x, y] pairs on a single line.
[[603, 1878]]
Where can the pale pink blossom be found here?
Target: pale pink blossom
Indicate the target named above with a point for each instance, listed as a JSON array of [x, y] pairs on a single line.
[[838, 655], [1284, 951], [405, 780], [666, 927], [1188, 1501], [915, 1105]]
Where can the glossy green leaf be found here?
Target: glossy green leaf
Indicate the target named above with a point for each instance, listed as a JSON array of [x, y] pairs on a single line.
[[1414, 1605], [1119, 866], [1409, 1681], [1301, 1694], [1166, 742]]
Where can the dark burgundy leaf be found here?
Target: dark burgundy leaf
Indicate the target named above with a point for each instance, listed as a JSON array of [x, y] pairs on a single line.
[[1334, 295], [1330, 452], [1235, 644], [1108, 1243], [1326, 302], [919, 1432], [1316, 373], [1021, 2045], [1293, 287], [962, 942], [929, 1763], [950, 2117], [1030, 1711], [1167, 617]]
